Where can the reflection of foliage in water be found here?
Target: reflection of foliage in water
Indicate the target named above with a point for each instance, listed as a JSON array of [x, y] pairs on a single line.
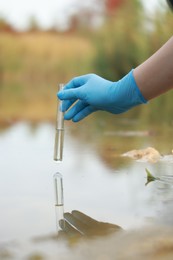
[[111, 136], [144, 243]]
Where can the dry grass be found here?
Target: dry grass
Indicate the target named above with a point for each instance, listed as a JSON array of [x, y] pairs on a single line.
[[43, 52], [31, 65]]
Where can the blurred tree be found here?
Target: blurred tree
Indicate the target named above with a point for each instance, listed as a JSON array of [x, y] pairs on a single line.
[[5, 26], [74, 23], [33, 24], [120, 44], [87, 14], [81, 20], [112, 5]]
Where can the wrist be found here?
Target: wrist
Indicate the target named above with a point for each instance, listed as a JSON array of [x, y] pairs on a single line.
[[142, 99], [129, 93]]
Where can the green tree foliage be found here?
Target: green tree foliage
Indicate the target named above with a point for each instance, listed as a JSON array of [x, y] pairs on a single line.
[[126, 39]]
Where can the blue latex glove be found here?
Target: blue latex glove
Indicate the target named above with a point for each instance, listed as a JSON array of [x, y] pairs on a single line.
[[90, 93]]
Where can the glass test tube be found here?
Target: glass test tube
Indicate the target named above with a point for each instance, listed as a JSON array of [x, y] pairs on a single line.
[[59, 134], [59, 201]]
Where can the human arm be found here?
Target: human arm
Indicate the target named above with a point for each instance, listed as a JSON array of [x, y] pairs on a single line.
[[90, 93], [155, 76]]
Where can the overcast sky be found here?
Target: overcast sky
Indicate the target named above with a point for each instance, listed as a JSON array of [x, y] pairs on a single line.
[[47, 12]]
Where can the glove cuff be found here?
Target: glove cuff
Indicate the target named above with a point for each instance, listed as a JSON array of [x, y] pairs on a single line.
[[141, 97]]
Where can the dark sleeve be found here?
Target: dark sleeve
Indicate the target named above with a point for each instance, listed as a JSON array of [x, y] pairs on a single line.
[[170, 3]]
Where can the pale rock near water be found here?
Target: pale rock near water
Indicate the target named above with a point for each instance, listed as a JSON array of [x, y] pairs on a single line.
[[148, 154]]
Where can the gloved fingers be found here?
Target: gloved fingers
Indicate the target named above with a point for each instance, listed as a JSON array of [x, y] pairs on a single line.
[[80, 105], [67, 228], [84, 113], [109, 226], [77, 224], [66, 104], [84, 218], [71, 94], [77, 82], [88, 229], [92, 222]]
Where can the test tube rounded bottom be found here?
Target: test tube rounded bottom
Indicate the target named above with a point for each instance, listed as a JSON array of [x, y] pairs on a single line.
[[59, 201]]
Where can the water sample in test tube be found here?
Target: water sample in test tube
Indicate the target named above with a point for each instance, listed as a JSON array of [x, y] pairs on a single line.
[[59, 201], [59, 134]]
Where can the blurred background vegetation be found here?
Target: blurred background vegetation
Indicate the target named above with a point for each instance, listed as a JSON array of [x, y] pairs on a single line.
[[33, 62]]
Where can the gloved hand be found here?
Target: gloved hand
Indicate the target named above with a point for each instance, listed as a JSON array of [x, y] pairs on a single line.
[[77, 224], [91, 93]]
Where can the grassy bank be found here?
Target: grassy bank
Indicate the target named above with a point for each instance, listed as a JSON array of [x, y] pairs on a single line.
[[31, 65]]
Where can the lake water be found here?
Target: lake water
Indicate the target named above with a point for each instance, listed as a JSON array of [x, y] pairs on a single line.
[[97, 180]]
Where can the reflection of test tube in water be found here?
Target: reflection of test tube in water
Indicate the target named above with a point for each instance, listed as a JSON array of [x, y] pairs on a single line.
[[59, 201], [59, 135]]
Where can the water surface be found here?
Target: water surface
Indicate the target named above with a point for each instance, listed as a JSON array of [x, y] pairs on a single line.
[[97, 180]]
